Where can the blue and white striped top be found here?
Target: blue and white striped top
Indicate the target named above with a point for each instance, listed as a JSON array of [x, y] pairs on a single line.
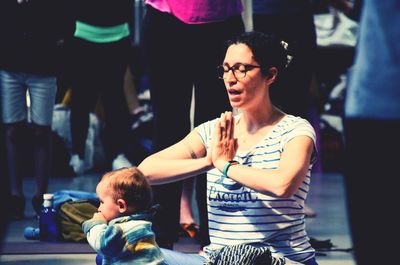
[[238, 214]]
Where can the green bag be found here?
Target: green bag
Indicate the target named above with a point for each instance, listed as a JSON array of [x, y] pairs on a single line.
[[71, 215]]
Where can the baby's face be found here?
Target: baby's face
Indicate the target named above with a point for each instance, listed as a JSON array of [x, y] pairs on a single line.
[[108, 206]]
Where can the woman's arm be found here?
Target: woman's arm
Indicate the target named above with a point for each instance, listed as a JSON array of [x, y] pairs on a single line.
[[182, 160], [283, 181], [280, 182]]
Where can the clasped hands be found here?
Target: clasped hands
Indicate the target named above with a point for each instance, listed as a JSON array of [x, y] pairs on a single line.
[[224, 145]]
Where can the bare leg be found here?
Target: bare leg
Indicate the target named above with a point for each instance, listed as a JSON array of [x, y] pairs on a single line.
[[14, 143], [186, 216], [130, 91], [187, 223], [14, 135], [42, 157]]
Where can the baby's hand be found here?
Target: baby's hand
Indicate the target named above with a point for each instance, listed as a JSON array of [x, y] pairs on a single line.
[[98, 216]]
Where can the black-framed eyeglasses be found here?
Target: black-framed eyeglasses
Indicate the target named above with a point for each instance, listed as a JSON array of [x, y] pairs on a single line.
[[239, 70]]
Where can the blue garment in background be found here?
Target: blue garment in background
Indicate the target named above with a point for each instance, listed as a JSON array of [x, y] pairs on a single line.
[[373, 90], [62, 196]]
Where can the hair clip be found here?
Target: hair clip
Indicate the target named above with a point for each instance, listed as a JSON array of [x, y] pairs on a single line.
[[289, 58], [284, 45]]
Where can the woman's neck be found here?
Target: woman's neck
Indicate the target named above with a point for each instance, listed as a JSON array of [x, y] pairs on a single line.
[[255, 120]]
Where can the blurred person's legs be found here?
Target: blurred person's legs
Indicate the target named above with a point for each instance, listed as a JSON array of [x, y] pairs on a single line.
[[170, 89], [15, 134], [99, 69], [42, 91], [172, 75], [85, 87], [4, 191], [116, 111], [371, 184], [188, 225], [41, 139], [210, 96], [130, 90], [14, 116]]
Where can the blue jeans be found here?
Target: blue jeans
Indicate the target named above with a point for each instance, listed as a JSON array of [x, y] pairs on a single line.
[[180, 258], [42, 91]]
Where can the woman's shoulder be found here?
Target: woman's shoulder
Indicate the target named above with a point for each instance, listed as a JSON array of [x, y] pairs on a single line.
[[294, 125], [209, 123], [290, 121], [205, 129]]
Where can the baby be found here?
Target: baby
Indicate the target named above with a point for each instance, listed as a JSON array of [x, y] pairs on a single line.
[[121, 230]]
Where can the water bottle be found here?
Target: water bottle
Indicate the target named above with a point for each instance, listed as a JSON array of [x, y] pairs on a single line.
[[48, 227]]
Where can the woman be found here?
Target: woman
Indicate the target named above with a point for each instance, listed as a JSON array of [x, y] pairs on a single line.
[[258, 162]]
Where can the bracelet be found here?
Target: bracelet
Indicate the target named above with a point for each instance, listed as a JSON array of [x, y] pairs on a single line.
[[227, 166]]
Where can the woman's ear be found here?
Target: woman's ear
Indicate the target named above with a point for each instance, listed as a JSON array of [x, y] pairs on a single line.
[[122, 206], [272, 74]]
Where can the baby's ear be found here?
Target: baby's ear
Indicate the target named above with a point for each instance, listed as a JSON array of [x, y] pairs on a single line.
[[122, 206]]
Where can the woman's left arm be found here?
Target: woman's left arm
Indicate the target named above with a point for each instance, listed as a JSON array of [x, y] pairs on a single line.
[[280, 182]]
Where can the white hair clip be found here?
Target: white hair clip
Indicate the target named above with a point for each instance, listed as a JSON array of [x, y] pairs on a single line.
[[284, 44], [289, 58]]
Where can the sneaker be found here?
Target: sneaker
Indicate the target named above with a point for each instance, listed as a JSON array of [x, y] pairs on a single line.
[[141, 115], [77, 164], [121, 161]]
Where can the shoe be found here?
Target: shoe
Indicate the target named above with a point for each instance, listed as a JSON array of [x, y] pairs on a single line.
[[188, 230], [77, 164], [37, 202], [17, 207], [140, 116], [120, 161]]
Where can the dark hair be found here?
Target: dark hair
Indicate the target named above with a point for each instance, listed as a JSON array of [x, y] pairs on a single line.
[[268, 50], [131, 185]]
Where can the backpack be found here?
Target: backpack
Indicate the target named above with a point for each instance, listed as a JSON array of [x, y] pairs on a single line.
[[71, 215]]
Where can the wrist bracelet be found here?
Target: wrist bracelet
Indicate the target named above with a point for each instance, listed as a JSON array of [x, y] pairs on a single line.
[[227, 166]]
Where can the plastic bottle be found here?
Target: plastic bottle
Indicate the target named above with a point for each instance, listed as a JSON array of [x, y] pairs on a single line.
[[48, 220]]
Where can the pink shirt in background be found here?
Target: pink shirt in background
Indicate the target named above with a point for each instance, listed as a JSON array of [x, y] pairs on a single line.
[[199, 11]]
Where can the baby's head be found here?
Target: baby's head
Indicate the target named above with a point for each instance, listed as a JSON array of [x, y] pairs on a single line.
[[123, 192]]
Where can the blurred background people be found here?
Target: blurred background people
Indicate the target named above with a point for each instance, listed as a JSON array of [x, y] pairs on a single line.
[[99, 54], [372, 129], [31, 31], [183, 43]]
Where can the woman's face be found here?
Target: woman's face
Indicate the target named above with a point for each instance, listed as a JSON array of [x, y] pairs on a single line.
[[249, 90], [108, 206]]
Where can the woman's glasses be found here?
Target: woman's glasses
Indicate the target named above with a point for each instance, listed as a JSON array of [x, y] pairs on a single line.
[[239, 70]]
